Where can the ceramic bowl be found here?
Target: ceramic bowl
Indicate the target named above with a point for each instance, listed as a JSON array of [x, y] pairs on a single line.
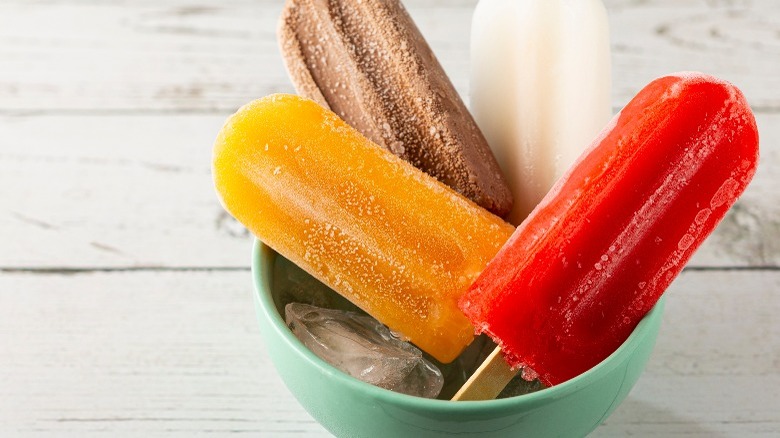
[[350, 408]]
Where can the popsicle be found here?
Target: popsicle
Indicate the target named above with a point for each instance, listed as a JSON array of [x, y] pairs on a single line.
[[391, 239], [367, 61], [597, 253], [540, 87]]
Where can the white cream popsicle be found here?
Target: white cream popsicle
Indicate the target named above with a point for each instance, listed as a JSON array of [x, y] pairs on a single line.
[[540, 87]]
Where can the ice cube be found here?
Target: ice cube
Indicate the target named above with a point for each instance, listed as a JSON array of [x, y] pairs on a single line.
[[364, 348]]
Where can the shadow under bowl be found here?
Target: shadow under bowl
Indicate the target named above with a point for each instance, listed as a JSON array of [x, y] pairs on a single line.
[[348, 407]]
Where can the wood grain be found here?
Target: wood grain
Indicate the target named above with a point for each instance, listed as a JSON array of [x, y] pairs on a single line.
[[113, 191], [173, 56]]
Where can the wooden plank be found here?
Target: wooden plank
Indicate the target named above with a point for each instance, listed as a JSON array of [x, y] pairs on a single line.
[[128, 191], [179, 353], [163, 353], [717, 353], [173, 56], [113, 191]]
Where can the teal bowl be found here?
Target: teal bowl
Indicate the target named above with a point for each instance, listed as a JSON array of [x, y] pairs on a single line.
[[348, 407]]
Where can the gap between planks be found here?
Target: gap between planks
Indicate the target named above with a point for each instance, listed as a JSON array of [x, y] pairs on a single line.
[[107, 269], [216, 111]]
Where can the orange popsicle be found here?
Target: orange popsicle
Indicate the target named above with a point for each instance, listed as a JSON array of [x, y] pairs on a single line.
[[388, 237]]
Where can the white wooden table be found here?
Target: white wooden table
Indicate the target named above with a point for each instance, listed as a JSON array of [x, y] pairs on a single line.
[[125, 303]]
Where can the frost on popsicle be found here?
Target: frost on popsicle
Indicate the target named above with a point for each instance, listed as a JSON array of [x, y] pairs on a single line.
[[367, 62], [365, 349], [602, 247], [392, 240]]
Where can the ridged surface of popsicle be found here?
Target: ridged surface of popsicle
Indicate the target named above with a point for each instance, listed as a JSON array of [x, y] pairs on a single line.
[[367, 61], [604, 244], [388, 237]]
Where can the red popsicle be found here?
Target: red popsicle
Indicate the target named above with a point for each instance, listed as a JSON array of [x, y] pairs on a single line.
[[597, 253]]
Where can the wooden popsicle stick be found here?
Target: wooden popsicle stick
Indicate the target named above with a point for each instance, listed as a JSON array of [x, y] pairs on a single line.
[[489, 380]]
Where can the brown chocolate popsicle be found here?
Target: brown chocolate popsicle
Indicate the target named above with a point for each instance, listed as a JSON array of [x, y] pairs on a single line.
[[367, 62]]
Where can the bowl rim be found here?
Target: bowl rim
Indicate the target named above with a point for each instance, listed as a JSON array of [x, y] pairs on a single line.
[[263, 258]]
